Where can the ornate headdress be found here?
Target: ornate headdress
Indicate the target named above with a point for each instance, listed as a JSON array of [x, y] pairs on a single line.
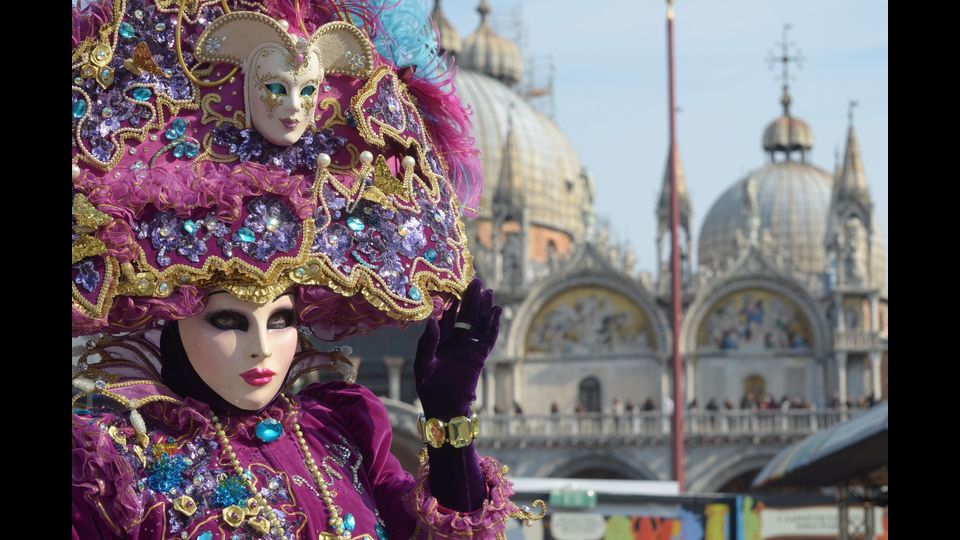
[[258, 146]]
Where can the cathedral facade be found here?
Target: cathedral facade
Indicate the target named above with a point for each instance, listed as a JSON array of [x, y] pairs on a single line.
[[788, 299]]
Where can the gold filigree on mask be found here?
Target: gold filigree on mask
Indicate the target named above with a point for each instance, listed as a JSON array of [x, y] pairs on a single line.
[[271, 101]]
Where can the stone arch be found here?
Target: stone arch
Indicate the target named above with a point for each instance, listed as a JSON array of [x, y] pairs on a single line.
[[725, 470], [789, 289], [615, 463], [578, 273]]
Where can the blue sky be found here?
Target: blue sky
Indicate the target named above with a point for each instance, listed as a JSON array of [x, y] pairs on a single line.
[[614, 52]]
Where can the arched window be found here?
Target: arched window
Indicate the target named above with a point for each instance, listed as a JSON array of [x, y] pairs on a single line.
[[590, 394], [755, 385]]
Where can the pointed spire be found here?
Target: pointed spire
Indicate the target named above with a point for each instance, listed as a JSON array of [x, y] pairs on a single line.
[[509, 190], [836, 163], [449, 37], [852, 181], [663, 207]]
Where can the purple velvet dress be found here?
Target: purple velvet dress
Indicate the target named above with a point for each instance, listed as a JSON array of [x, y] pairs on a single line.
[[121, 490]]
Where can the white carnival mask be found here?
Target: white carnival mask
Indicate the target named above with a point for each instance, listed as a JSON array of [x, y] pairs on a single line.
[[283, 73]]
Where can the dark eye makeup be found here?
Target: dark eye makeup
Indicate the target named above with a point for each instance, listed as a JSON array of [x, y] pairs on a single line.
[[233, 320], [228, 320], [284, 318]]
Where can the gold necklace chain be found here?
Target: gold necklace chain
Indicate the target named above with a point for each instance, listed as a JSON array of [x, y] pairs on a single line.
[[335, 521]]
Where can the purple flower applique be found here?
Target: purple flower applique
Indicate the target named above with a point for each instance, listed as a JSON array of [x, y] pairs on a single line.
[[335, 242], [249, 145], [87, 275], [164, 236], [191, 246], [412, 238], [276, 226], [393, 275]]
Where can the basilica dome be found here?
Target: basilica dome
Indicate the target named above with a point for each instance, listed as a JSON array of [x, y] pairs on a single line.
[[485, 51], [555, 189], [793, 200]]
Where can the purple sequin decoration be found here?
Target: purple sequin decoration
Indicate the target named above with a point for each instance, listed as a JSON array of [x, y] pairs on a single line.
[[393, 275], [96, 127], [249, 145], [167, 234], [164, 235], [87, 275], [335, 242], [386, 107], [413, 241], [276, 227]]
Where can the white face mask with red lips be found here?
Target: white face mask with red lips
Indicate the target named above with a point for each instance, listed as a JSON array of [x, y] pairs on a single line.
[[242, 350]]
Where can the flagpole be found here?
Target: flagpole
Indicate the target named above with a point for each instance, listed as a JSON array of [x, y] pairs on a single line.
[[679, 402]]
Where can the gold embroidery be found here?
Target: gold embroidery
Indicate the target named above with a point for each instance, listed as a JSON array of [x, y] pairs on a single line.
[[336, 119], [386, 130], [209, 115], [108, 290], [387, 183], [142, 61], [108, 34]]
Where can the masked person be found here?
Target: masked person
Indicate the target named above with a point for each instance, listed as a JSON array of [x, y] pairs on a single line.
[[249, 177]]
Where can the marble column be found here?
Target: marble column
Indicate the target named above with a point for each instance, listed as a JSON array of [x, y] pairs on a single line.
[[394, 370], [876, 382], [841, 358]]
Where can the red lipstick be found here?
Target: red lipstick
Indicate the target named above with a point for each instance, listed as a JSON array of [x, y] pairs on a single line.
[[258, 376]]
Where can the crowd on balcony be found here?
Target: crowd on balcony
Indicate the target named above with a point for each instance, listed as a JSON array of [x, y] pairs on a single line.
[[749, 402]]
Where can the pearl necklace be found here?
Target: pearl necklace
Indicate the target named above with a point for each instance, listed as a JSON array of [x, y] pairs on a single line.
[[341, 530]]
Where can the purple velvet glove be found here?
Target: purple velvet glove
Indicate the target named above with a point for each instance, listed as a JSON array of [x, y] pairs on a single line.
[[447, 367]]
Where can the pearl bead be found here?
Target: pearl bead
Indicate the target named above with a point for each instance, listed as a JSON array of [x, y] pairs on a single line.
[[284, 24], [323, 161], [366, 157], [409, 162], [76, 171]]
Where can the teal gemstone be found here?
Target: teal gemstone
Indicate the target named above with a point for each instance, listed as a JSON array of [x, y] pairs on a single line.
[[430, 254], [205, 536], [349, 522], [191, 149], [142, 93], [355, 223], [79, 108], [178, 151], [414, 294], [127, 31], [269, 430], [245, 235], [176, 129], [190, 226], [381, 534]]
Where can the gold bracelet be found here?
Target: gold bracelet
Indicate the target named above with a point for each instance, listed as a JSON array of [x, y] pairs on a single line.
[[459, 431]]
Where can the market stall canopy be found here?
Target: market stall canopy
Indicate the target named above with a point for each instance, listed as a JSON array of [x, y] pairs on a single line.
[[852, 450]]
